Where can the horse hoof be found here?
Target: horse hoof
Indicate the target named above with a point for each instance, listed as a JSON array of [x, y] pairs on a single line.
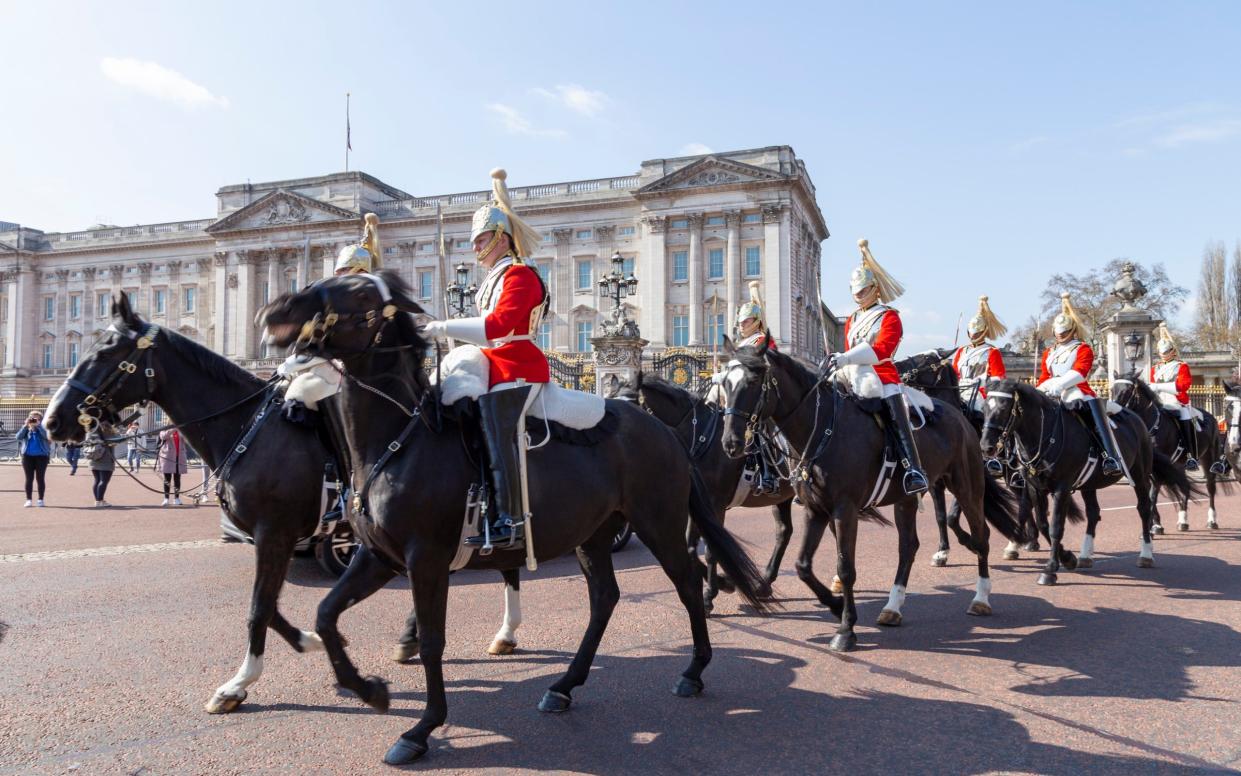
[[843, 642], [1214, 526], [889, 618], [838, 587], [1146, 563], [1047, 578], [1085, 563], [725, 584], [403, 653], [688, 688], [404, 752], [376, 694], [1069, 561], [1182, 526], [1032, 546], [554, 702], [1157, 529], [708, 605], [502, 647], [1011, 555], [939, 559], [979, 609], [224, 704]]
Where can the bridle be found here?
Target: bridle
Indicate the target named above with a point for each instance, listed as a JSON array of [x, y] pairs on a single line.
[[99, 397], [1151, 428], [315, 332], [763, 406], [1028, 464]]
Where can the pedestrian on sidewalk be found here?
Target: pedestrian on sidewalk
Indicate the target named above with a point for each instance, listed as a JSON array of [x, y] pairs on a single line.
[[134, 458], [172, 463], [73, 454], [102, 457], [36, 451]]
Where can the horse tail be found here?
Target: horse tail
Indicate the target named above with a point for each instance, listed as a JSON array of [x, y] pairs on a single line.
[[999, 507], [1172, 479], [1073, 512], [872, 515], [725, 549]]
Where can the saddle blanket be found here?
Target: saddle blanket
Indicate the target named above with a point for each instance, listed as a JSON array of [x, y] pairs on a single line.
[[866, 385], [465, 373]]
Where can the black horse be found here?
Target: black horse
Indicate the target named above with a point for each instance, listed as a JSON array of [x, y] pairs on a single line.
[[273, 491], [1136, 394], [839, 452], [1055, 448], [412, 474]]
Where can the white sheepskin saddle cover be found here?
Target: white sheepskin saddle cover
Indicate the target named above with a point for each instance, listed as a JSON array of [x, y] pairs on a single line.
[[866, 385], [465, 372]]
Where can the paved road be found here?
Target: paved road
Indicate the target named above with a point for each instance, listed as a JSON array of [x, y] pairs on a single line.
[[106, 657]]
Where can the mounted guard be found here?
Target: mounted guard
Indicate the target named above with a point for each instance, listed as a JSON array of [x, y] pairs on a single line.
[[872, 334], [980, 361], [1062, 374], [1170, 379], [752, 322], [762, 466], [512, 300]]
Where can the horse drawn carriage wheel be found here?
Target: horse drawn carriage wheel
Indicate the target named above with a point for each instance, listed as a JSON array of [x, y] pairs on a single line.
[[335, 551]]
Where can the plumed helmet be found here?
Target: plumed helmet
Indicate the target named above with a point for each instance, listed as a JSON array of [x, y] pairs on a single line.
[[498, 216], [362, 256], [869, 273], [984, 323], [1163, 340], [753, 308], [1067, 320]]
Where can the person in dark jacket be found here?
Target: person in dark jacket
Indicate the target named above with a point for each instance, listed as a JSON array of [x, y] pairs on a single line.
[[36, 451], [102, 457]]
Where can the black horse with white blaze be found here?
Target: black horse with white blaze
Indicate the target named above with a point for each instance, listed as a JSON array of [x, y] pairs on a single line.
[[412, 475]]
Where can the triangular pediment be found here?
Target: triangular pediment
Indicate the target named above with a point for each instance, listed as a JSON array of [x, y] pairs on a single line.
[[281, 208], [710, 171]]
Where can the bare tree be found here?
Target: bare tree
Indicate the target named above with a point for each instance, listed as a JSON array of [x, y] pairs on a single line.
[[1216, 311], [1092, 292]]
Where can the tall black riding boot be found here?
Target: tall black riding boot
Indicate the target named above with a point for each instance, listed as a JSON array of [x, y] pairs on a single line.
[[1189, 437], [501, 411], [898, 413], [1103, 426]]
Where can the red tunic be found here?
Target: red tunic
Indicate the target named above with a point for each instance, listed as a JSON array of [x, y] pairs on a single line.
[[519, 295], [1083, 359], [757, 340], [1183, 381], [884, 342], [995, 366]]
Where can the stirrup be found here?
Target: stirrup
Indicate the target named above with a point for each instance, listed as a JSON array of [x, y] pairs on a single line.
[[914, 482], [1219, 467], [506, 534], [1111, 465], [993, 466], [1191, 464]]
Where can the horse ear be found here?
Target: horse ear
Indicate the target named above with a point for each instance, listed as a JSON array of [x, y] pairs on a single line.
[[762, 351], [124, 313], [730, 349]]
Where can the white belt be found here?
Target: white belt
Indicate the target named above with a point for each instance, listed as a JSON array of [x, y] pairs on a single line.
[[513, 338]]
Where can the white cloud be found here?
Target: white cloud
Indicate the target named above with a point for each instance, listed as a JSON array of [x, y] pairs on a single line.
[[579, 99], [1202, 132], [695, 149], [155, 80], [517, 124]]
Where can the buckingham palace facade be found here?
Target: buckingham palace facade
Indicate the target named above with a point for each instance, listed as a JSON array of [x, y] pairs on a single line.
[[695, 230]]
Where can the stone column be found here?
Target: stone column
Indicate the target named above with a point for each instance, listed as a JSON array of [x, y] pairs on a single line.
[[202, 301], [733, 271], [652, 271], [243, 303], [88, 301], [219, 305], [564, 287], [776, 267], [303, 262], [617, 361], [144, 289], [273, 278], [17, 289], [695, 279], [61, 324], [172, 304], [327, 252]]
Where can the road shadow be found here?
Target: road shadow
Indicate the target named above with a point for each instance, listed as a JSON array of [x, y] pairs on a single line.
[[751, 719]]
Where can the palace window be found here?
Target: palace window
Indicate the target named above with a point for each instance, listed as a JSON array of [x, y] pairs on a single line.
[[680, 266], [583, 275], [544, 268], [585, 330], [715, 263], [133, 299], [49, 308], [715, 328], [47, 355], [158, 303], [73, 354], [625, 231], [102, 305], [584, 234], [189, 296], [679, 223], [463, 243], [627, 266], [680, 331], [75, 305], [544, 338], [426, 279], [752, 218], [715, 220], [752, 264]]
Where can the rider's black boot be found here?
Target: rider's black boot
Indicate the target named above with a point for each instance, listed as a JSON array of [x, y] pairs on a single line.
[[898, 413], [1189, 437], [1103, 426], [500, 413]]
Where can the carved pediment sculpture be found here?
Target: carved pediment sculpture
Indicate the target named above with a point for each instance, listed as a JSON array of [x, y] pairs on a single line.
[[711, 171], [281, 208]]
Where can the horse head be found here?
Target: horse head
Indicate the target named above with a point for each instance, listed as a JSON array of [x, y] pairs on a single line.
[[115, 373], [1232, 402], [1126, 388], [1000, 413], [930, 369], [746, 389], [343, 315]]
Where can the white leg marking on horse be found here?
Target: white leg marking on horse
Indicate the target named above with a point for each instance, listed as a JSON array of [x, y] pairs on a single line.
[[249, 673], [512, 616], [1211, 516], [982, 591], [896, 599], [1087, 546], [310, 642], [1148, 550], [1182, 517], [940, 555]]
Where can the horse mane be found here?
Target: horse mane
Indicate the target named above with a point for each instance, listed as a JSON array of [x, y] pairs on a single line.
[[407, 326], [1019, 388], [681, 399], [803, 372], [211, 363]]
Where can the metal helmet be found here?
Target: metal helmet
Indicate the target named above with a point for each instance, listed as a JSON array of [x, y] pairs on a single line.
[[362, 256], [1164, 344], [753, 308], [870, 273], [497, 216], [984, 324], [1067, 320]]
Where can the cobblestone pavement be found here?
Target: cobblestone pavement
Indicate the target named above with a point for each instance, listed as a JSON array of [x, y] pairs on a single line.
[[116, 625]]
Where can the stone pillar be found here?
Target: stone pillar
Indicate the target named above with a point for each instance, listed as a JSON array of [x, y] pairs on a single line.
[[172, 305], [564, 287], [776, 267], [695, 279], [144, 289], [733, 271], [244, 302], [652, 270], [327, 253], [202, 301], [17, 289], [273, 279], [303, 263], [116, 276], [617, 361], [219, 305], [88, 300], [60, 351]]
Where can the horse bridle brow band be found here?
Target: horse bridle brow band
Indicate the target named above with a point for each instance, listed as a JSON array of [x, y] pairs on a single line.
[[100, 395]]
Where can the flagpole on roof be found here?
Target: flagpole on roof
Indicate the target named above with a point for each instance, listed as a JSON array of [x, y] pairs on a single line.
[[348, 133]]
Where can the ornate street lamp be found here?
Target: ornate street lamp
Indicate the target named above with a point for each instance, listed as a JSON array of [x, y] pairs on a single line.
[[1135, 345], [461, 293], [616, 286]]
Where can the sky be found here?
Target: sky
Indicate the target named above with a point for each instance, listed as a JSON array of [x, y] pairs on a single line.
[[980, 147]]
